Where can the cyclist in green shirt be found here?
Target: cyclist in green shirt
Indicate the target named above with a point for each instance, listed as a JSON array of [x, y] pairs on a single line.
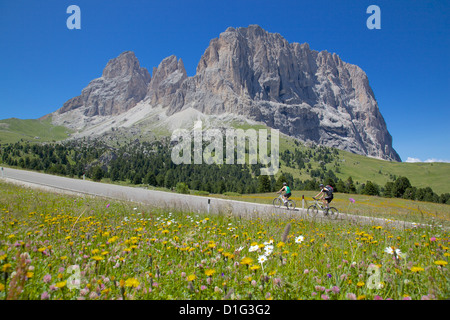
[[287, 193]]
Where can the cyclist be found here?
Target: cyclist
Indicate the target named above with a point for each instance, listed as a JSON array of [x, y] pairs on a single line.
[[287, 193], [327, 196]]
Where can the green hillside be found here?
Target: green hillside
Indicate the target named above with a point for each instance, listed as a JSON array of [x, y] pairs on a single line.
[[32, 130], [362, 169], [300, 163]]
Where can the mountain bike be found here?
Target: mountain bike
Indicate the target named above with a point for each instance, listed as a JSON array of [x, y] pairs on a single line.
[[313, 210], [278, 201]]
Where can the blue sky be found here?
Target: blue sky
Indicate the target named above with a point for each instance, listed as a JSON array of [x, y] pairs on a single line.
[[43, 63]]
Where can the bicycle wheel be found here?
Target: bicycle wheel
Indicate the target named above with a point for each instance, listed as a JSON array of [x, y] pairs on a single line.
[[277, 202], [291, 204], [333, 213], [312, 210]]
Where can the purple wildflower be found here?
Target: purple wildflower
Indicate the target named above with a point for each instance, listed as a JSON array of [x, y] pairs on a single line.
[[47, 278], [45, 296], [351, 296]]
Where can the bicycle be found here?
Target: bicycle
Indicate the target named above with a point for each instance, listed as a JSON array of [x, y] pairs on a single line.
[[313, 210], [278, 201]]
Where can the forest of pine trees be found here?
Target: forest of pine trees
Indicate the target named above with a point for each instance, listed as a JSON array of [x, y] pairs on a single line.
[[151, 164]]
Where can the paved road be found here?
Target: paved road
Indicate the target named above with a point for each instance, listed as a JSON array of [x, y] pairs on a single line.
[[168, 200]]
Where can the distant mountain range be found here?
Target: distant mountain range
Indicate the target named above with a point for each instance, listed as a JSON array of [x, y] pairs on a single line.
[[247, 75]]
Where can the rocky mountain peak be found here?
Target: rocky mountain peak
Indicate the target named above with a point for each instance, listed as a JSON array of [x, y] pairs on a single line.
[[122, 85], [257, 75], [167, 79], [126, 64]]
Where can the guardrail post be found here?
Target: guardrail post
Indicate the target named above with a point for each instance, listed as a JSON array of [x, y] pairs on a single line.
[[303, 201], [209, 201]]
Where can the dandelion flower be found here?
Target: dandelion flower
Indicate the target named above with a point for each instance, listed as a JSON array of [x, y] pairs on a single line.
[[6, 267], [246, 260], [441, 263], [61, 284], [131, 282], [210, 272], [191, 277], [416, 269], [97, 258]]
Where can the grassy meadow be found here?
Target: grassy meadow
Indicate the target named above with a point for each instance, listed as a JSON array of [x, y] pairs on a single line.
[[362, 169], [32, 130], [55, 246]]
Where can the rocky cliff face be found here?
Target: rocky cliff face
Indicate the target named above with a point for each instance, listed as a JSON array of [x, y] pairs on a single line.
[[249, 72], [122, 85]]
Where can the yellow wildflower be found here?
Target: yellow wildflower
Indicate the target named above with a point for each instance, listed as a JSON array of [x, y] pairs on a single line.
[[210, 272], [113, 239], [105, 291], [441, 263], [416, 269], [97, 258], [246, 260], [131, 282], [6, 267], [191, 277]]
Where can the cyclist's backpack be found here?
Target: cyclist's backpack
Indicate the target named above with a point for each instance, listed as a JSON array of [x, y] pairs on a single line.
[[330, 190]]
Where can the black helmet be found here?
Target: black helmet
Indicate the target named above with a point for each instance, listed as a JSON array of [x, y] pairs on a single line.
[[320, 185]]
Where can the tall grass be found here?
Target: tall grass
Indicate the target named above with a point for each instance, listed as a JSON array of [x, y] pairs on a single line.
[[65, 247]]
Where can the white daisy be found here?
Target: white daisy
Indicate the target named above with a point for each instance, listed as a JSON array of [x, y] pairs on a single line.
[[262, 259], [253, 248], [268, 250], [299, 239]]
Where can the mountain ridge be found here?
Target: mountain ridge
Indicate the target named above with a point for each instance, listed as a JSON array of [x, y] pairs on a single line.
[[251, 74]]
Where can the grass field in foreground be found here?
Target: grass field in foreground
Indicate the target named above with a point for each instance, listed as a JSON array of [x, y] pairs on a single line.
[[56, 246]]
